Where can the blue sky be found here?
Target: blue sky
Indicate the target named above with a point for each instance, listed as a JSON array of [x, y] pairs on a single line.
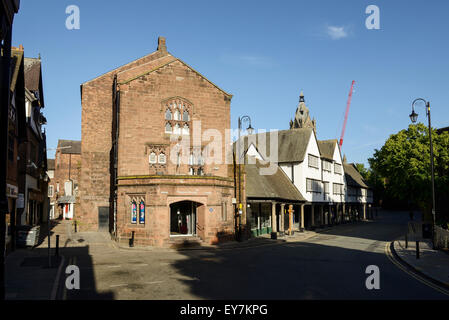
[[262, 52]]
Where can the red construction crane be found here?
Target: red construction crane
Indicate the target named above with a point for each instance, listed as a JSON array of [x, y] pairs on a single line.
[[346, 114]]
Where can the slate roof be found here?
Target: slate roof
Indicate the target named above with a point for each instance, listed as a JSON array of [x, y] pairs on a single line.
[[292, 144], [51, 164], [32, 73], [275, 186], [327, 148], [75, 146], [353, 177]]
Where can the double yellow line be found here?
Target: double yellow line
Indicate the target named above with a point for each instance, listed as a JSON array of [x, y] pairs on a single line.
[[390, 256]]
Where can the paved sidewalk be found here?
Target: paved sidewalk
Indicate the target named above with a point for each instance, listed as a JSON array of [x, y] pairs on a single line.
[[27, 270], [434, 264], [28, 275]]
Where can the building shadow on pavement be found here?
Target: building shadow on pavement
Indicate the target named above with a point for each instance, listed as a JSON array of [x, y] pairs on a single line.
[[28, 276], [295, 270]]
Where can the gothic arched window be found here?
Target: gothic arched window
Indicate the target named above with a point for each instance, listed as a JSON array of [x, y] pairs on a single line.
[[177, 116], [185, 116], [168, 115], [152, 159], [142, 212], [162, 159], [185, 129], [177, 129], [133, 212], [168, 128]]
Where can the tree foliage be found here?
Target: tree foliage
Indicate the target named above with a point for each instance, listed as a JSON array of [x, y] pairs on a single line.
[[403, 163]]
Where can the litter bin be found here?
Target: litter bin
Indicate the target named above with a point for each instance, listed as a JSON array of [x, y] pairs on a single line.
[[427, 231], [27, 236]]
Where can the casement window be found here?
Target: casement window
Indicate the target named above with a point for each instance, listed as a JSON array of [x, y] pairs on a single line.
[[313, 185], [162, 159], [326, 187], [327, 166], [338, 188], [50, 191], [152, 159], [313, 161], [337, 168]]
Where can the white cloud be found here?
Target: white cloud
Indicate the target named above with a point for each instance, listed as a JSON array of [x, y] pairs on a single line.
[[336, 33], [252, 60]]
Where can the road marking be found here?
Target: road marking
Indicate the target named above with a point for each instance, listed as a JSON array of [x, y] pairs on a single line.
[[55, 284], [64, 292], [113, 266], [409, 272]]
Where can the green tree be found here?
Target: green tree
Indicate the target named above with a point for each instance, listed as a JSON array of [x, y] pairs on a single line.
[[404, 164]]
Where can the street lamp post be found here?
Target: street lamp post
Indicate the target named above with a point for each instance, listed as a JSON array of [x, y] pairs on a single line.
[[414, 118], [250, 130]]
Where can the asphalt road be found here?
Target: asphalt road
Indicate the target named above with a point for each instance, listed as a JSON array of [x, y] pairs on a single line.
[[330, 265]]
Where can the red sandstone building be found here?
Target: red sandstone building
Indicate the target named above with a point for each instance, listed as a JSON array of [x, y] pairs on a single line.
[[135, 176]]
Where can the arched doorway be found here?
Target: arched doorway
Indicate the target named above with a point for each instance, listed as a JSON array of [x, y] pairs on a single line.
[[183, 218]]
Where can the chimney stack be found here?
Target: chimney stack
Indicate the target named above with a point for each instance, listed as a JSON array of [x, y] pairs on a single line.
[[161, 46]]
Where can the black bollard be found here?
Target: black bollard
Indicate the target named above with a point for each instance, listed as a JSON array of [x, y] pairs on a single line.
[[417, 249], [57, 246], [76, 227], [406, 241]]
